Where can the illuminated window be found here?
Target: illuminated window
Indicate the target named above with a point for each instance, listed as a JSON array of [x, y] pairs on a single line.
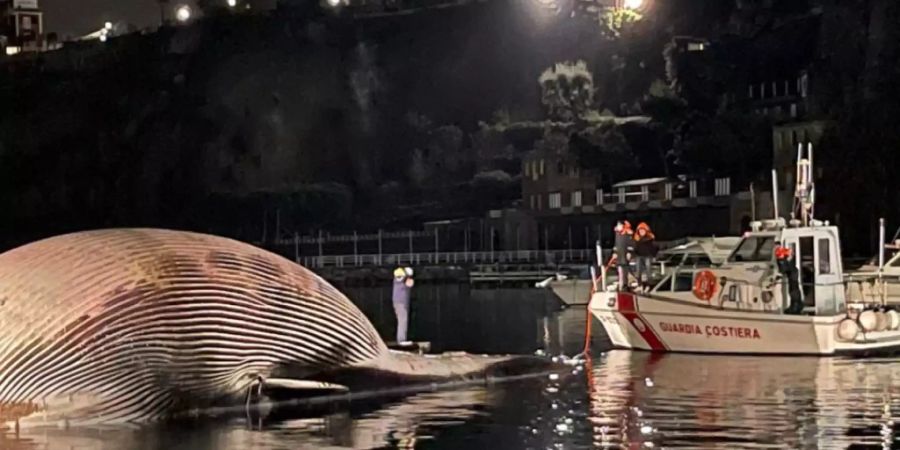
[[576, 198], [555, 200]]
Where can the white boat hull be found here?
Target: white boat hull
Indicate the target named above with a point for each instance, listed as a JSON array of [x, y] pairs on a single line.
[[642, 322], [572, 292]]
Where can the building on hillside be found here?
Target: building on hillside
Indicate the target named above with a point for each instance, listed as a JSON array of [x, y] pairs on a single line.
[[563, 207], [21, 26], [554, 181]]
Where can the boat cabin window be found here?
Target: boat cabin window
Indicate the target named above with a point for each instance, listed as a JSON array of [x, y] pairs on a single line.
[[754, 249], [684, 282], [679, 282], [824, 256], [665, 284], [698, 261]]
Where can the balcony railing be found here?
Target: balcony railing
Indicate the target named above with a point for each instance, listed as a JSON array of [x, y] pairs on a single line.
[[720, 187]]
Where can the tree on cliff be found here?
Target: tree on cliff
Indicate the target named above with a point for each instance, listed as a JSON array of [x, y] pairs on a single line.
[[604, 149], [567, 91]]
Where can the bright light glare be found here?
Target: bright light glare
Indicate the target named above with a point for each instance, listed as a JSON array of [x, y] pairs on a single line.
[[108, 25], [183, 13], [334, 3], [232, 3], [634, 4], [103, 38]]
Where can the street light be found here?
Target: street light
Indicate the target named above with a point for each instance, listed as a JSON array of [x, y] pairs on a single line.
[[633, 4], [183, 13], [108, 25], [334, 3], [232, 3]]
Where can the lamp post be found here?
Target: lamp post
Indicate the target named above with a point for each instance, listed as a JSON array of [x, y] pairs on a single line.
[[163, 6]]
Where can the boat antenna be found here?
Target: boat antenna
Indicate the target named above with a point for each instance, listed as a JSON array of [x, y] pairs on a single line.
[[775, 192], [804, 193], [880, 246], [753, 203]]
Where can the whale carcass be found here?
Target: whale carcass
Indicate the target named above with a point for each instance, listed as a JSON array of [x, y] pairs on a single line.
[[133, 325]]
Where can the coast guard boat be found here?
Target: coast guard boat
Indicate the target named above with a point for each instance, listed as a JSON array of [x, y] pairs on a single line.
[[749, 304]]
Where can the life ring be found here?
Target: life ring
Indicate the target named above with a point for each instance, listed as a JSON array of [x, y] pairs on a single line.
[[705, 285]]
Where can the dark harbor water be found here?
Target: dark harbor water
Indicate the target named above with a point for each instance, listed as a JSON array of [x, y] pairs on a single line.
[[620, 400]]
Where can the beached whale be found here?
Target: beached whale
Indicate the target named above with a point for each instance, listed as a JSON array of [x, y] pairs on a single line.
[[135, 325]]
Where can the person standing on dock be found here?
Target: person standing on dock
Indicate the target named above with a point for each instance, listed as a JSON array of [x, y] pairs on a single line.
[[645, 251], [403, 283]]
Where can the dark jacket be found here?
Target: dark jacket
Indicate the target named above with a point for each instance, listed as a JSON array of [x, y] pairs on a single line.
[[646, 248], [624, 244]]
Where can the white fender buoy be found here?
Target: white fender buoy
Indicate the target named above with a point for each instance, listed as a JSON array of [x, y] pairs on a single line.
[[882, 321], [893, 319], [847, 330], [868, 320]]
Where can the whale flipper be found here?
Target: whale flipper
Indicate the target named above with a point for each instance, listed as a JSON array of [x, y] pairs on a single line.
[[303, 385]]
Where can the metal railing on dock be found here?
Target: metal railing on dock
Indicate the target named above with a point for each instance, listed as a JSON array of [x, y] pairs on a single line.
[[550, 257]]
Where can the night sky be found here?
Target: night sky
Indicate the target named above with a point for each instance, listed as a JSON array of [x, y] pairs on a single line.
[[79, 17]]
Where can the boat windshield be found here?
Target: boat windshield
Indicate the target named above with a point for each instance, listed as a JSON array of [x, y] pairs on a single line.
[[754, 249]]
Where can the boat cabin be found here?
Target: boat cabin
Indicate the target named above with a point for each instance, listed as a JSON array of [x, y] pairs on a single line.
[[750, 278]]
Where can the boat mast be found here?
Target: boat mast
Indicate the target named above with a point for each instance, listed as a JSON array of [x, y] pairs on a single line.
[[804, 194]]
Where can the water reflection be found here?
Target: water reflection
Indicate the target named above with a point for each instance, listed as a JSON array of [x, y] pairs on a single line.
[[647, 400], [404, 424]]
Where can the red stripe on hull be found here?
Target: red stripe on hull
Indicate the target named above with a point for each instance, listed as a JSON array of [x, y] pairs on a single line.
[[628, 308]]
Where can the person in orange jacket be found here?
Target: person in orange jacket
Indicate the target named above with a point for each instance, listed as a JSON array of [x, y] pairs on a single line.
[[784, 258], [645, 250]]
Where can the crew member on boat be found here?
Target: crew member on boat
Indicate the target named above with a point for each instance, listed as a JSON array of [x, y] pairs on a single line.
[[622, 255], [784, 258], [645, 251]]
